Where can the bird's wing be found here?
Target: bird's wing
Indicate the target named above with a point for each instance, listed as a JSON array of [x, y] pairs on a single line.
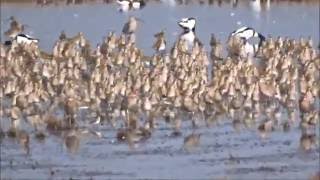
[[125, 28]]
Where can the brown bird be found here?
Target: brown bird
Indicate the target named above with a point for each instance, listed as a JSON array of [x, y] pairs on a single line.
[[15, 28], [160, 43]]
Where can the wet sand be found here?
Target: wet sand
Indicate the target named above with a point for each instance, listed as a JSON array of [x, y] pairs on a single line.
[[223, 153]]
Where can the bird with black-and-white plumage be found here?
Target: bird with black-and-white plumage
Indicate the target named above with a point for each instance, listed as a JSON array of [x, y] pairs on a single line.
[[251, 39], [188, 25], [138, 4], [25, 39], [247, 33], [22, 39], [126, 5], [131, 26]]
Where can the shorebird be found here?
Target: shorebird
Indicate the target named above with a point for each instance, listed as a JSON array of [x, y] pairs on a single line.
[[246, 34], [25, 39], [22, 39], [131, 26], [15, 28], [62, 36], [189, 27], [126, 5], [160, 44]]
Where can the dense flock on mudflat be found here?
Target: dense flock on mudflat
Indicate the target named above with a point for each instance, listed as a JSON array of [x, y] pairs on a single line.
[[271, 84]]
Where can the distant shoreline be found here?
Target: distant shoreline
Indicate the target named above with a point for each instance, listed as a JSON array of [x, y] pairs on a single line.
[[111, 1]]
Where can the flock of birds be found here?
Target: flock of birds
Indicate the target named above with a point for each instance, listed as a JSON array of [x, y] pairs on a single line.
[[255, 5], [273, 83]]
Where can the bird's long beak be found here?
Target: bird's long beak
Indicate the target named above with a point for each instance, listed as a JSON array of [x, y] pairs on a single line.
[[180, 23]]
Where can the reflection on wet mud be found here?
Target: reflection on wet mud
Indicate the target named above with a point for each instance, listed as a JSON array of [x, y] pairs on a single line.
[[308, 142], [191, 142], [72, 141]]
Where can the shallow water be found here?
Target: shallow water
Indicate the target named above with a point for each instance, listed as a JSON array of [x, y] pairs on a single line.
[[223, 153], [96, 20]]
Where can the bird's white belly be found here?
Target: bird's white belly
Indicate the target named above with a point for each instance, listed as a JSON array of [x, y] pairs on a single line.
[[250, 49], [136, 5], [189, 37], [23, 40], [162, 46], [124, 6]]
